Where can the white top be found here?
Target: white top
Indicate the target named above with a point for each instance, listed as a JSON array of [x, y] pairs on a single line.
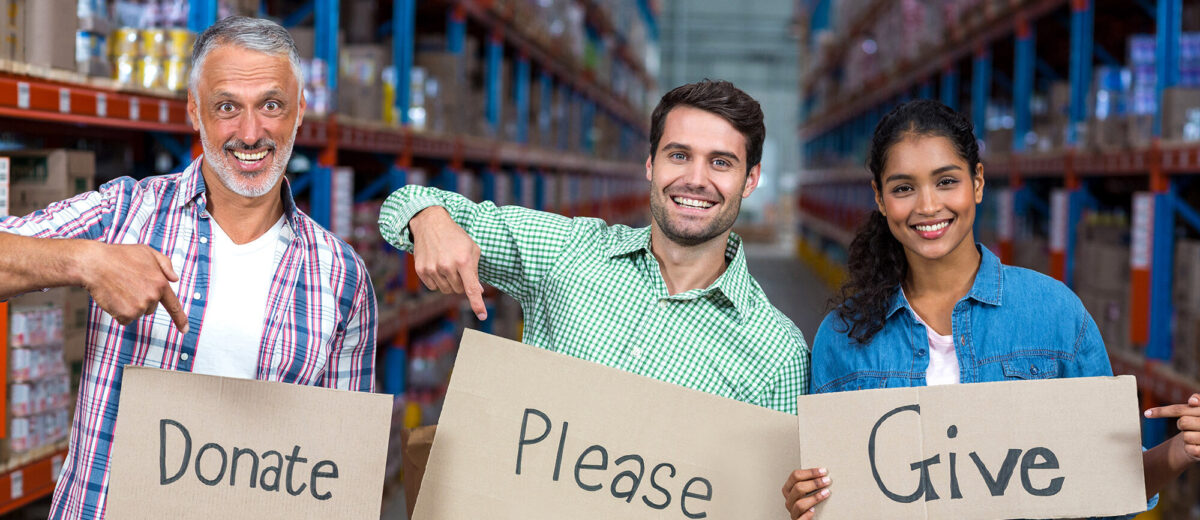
[[239, 281], [943, 360]]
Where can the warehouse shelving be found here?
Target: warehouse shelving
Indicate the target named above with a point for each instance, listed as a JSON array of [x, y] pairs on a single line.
[[835, 195]]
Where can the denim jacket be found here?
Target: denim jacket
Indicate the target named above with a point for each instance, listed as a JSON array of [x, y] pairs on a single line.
[[1014, 324]]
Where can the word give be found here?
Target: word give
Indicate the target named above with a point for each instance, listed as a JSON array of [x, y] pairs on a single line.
[[1038, 458]]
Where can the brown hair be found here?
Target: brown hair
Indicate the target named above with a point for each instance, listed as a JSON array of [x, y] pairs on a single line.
[[720, 98]]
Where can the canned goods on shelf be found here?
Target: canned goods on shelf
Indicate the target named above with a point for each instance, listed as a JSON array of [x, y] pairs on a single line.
[[125, 69], [125, 42], [150, 72], [154, 43], [175, 74], [179, 43]]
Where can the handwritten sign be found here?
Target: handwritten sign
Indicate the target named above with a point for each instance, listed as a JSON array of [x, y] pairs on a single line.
[[1029, 449], [191, 446], [531, 434]]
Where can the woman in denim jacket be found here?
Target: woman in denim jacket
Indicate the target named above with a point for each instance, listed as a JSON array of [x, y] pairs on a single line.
[[925, 305]]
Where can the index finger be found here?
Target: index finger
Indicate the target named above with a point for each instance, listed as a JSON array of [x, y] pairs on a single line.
[[473, 289], [1176, 410], [170, 302]]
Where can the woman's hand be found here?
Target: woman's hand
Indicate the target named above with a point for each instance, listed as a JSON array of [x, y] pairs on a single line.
[[1188, 440], [805, 488]]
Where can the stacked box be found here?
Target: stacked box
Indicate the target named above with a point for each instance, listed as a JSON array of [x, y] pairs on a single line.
[[39, 381], [360, 89], [1186, 298], [1102, 275], [1181, 114], [54, 44]]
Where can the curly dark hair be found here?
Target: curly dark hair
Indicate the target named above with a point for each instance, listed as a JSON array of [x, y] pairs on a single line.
[[720, 98], [877, 264]]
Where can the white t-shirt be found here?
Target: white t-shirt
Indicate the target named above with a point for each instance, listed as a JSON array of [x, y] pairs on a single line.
[[239, 280], [943, 360]]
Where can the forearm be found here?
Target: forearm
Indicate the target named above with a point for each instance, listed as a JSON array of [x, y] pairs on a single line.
[[406, 203], [28, 264], [1163, 464]]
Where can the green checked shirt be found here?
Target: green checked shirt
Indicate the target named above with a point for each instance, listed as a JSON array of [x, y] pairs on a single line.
[[594, 291]]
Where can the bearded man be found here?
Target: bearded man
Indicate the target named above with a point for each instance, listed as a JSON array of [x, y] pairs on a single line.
[[673, 301], [212, 270]]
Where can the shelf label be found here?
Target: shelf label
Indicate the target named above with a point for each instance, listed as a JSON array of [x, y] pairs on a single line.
[[135, 110], [1142, 238], [22, 95], [164, 112], [101, 105], [341, 222], [1005, 209], [18, 484], [1060, 204], [56, 463], [64, 100], [4, 161]]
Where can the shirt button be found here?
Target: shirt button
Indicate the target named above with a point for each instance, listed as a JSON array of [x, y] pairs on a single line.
[[662, 303], [1033, 370], [184, 356], [203, 240], [636, 352], [921, 353], [196, 296]]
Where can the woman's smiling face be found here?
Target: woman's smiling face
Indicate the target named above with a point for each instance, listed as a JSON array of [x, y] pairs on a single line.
[[928, 194]]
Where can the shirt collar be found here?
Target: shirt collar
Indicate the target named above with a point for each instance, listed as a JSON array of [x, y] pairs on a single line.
[[734, 284], [986, 288], [192, 189]]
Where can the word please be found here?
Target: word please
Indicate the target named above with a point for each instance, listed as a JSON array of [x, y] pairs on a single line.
[[325, 469], [624, 485], [1037, 458]]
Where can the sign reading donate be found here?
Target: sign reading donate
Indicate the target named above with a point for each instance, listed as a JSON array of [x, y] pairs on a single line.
[[530, 434], [1061, 448], [190, 446]]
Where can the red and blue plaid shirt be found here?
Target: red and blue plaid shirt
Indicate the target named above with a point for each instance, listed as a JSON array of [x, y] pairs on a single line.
[[320, 316]]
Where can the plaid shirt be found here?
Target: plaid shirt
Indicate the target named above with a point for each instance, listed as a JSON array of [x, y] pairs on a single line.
[[319, 329], [595, 292]]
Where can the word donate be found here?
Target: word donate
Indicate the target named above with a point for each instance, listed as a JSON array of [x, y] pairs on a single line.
[[535, 435], [192, 446], [1036, 449]]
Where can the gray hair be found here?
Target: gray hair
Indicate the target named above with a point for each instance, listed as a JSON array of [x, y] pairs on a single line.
[[253, 34]]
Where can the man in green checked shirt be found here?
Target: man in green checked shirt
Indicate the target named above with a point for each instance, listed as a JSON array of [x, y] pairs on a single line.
[[673, 301]]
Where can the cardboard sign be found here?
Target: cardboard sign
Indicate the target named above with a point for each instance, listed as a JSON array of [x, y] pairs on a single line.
[[193, 446], [530, 434], [1031, 449]]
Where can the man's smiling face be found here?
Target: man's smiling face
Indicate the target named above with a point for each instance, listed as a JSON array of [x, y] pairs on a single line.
[[698, 176]]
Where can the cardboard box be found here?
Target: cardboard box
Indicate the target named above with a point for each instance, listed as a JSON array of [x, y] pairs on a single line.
[[42, 177], [533, 426], [54, 24], [223, 456], [1185, 355], [958, 447], [1186, 291], [1179, 108], [360, 92], [1109, 134]]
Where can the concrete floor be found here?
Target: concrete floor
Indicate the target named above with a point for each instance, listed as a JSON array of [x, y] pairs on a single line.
[[790, 285]]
